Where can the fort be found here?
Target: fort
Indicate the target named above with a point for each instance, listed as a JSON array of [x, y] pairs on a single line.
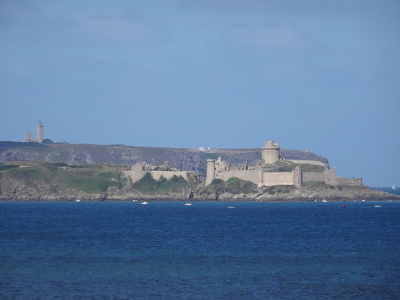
[[138, 171], [273, 170]]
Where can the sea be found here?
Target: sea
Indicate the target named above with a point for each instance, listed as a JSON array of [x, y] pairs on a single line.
[[207, 250]]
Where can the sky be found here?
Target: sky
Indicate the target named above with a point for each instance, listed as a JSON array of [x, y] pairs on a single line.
[[321, 75]]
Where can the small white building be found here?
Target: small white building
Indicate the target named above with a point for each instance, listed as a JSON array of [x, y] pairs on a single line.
[[207, 150]]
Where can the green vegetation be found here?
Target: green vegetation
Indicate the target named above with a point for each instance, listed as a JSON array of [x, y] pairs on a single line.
[[149, 185], [217, 182], [86, 178], [5, 168], [285, 166], [92, 184], [90, 179], [236, 186], [278, 189], [27, 176], [54, 164], [233, 185]]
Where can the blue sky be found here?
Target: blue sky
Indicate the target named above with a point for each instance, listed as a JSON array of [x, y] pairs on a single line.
[[322, 75]]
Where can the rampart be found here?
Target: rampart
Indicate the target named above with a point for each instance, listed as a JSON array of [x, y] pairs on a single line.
[[313, 176], [276, 178], [250, 175], [308, 162], [139, 170], [266, 174], [349, 181]]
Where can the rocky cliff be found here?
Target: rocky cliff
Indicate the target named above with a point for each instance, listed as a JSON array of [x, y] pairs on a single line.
[[54, 172], [121, 155]]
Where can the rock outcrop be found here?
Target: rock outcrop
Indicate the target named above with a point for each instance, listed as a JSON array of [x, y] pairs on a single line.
[[182, 159]]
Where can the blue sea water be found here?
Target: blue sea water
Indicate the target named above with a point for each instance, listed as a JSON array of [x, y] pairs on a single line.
[[166, 250]]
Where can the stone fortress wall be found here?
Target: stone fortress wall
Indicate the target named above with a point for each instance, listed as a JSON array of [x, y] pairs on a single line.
[[265, 175], [308, 162], [138, 171], [349, 181]]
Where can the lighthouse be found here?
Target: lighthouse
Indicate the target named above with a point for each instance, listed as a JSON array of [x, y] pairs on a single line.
[[39, 132]]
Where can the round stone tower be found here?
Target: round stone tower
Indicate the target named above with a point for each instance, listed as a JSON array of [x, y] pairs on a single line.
[[210, 171], [270, 152], [39, 132], [297, 177]]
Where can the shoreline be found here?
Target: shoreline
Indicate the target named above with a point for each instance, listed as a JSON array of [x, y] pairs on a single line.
[[227, 200]]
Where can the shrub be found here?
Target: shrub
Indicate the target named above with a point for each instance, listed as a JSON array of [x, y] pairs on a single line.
[[217, 181], [233, 185], [149, 185], [4, 168]]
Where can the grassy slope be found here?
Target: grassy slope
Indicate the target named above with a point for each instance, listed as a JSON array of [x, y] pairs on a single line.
[[85, 178]]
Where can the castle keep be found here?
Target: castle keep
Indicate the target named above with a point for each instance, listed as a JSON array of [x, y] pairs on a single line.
[[273, 170]]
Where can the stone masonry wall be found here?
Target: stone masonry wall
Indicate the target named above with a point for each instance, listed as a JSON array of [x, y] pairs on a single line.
[[349, 181], [250, 175], [134, 175], [330, 177], [137, 175], [277, 178], [313, 176]]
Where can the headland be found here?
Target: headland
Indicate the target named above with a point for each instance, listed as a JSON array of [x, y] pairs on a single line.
[[32, 171]]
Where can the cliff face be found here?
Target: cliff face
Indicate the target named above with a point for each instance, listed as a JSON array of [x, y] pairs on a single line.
[[183, 159]]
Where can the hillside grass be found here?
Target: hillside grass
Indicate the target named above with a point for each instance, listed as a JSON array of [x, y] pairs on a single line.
[[285, 166], [5, 168], [86, 178]]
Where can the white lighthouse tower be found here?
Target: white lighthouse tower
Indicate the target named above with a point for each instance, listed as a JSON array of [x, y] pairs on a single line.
[[39, 132]]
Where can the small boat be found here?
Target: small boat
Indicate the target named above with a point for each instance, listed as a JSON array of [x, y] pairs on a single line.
[[78, 200], [134, 200], [188, 203], [144, 202], [377, 206], [324, 200], [393, 187], [231, 207]]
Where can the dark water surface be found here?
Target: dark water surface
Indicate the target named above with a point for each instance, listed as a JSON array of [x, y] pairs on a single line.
[[204, 251]]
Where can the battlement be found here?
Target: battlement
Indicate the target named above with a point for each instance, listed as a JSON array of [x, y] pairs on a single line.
[[138, 171], [349, 181], [267, 172]]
